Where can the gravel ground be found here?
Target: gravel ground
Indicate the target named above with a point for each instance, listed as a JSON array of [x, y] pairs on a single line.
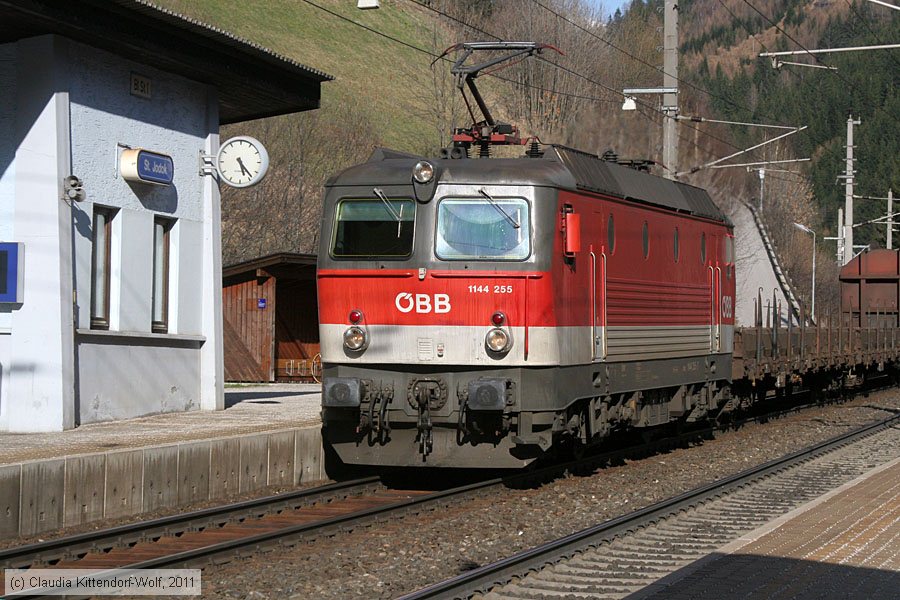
[[390, 559]]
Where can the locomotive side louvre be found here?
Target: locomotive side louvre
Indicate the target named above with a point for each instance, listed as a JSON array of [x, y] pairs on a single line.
[[628, 324]]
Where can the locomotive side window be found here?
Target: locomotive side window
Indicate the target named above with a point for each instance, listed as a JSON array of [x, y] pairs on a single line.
[[675, 248], [729, 255], [495, 228], [703, 248], [645, 240], [372, 228], [611, 234]]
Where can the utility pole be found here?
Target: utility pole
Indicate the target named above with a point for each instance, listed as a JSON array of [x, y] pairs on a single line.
[[762, 187], [670, 80], [848, 193], [890, 223], [841, 238]]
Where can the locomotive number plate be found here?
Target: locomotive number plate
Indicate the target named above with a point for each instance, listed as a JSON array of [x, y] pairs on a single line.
[[486, 289]]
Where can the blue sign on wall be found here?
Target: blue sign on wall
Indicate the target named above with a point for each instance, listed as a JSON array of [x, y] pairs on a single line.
[[261, 303], [11, 263], [156, 168]]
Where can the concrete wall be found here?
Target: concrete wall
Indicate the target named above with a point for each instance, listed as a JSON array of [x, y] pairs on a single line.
[[74, 114], [41, 394], [8, 55], [119, 376], [50, 494], [116, 375]]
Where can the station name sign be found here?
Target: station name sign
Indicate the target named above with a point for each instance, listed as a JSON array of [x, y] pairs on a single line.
[[144, 166]]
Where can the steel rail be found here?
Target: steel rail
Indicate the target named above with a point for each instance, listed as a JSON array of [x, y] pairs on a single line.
[[72, 547], [482, 579], [171, 525], [336, 524]]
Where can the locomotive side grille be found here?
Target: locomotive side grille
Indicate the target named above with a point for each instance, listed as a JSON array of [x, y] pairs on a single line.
[[657, 342]]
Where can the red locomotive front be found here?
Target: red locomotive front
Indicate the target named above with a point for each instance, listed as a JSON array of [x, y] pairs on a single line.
[[478, 313]]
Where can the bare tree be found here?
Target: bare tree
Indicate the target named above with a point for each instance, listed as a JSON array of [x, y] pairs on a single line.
[[283, 212], [542, 95], [436, 99]]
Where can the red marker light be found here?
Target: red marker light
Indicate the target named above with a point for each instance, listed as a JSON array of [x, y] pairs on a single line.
[[498, 318], [355, 316]]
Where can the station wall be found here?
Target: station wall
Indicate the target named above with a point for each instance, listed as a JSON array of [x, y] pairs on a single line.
[[7, 195], [74, 112]]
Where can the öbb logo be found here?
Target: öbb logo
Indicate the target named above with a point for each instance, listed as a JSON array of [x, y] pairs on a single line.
[[422, 303]]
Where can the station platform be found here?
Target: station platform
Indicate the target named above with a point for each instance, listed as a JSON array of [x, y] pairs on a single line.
[[268, 435], [845, 544]]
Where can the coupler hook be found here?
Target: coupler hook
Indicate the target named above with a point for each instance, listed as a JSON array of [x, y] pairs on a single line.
[[423, 399]]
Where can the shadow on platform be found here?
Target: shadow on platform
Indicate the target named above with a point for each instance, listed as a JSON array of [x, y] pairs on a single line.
[[236, 397], [754, 577]]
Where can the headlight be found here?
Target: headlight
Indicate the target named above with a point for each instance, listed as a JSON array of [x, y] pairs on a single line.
[[496, 340], [423, 172], [355, 338]]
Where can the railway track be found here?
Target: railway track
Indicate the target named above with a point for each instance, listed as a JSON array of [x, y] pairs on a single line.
[[625, 555], [218, 534]]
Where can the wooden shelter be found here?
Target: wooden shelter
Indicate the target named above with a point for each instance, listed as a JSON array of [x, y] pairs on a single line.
[[270, 319]]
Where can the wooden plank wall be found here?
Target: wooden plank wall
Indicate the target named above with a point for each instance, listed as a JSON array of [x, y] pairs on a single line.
[[297, 320], [252, 329]]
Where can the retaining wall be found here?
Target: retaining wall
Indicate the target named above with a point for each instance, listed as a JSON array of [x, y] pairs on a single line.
[[49, 494]]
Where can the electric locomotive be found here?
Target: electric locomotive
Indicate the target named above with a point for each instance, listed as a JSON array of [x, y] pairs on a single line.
[[480, 312], [473, 312]]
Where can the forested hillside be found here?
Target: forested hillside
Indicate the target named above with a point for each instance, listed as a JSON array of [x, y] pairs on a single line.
[[392, 90], [720, 56]]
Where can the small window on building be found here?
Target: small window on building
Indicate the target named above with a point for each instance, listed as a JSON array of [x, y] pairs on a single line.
[[611, 234], [161, 252], [100, 267], [675, 246], [703, 248], [645, 239]]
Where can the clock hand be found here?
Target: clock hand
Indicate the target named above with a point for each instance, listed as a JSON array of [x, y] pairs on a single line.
[[243, 168]]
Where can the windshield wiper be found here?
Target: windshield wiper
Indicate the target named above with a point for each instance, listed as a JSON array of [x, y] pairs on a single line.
[[514, 223], [387, 204]]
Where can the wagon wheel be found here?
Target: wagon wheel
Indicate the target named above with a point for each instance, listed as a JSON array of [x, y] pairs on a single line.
[[316, 368]]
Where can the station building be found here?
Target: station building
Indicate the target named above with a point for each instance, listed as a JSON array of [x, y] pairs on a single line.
[[110, 279]]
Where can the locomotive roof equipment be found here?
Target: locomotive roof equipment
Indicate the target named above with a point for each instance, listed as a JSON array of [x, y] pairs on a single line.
[[486, 132]]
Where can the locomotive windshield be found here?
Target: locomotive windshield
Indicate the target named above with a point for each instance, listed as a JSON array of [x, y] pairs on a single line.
[[497, 229], [374, 228]]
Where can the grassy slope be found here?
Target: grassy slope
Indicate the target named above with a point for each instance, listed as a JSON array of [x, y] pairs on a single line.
[[366, 66]]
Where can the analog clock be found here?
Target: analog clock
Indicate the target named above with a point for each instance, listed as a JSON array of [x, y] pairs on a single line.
[[242, 161]]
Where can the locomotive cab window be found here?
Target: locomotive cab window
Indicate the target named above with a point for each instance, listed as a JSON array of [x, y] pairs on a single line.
[[374, 228], [483, 228]]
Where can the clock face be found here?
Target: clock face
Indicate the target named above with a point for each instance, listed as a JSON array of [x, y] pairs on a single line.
[[242, 161]]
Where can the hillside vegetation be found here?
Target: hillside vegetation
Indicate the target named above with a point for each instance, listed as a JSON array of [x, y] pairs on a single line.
[[388, 92], [720, 55], [746, 88], [375, 99]]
